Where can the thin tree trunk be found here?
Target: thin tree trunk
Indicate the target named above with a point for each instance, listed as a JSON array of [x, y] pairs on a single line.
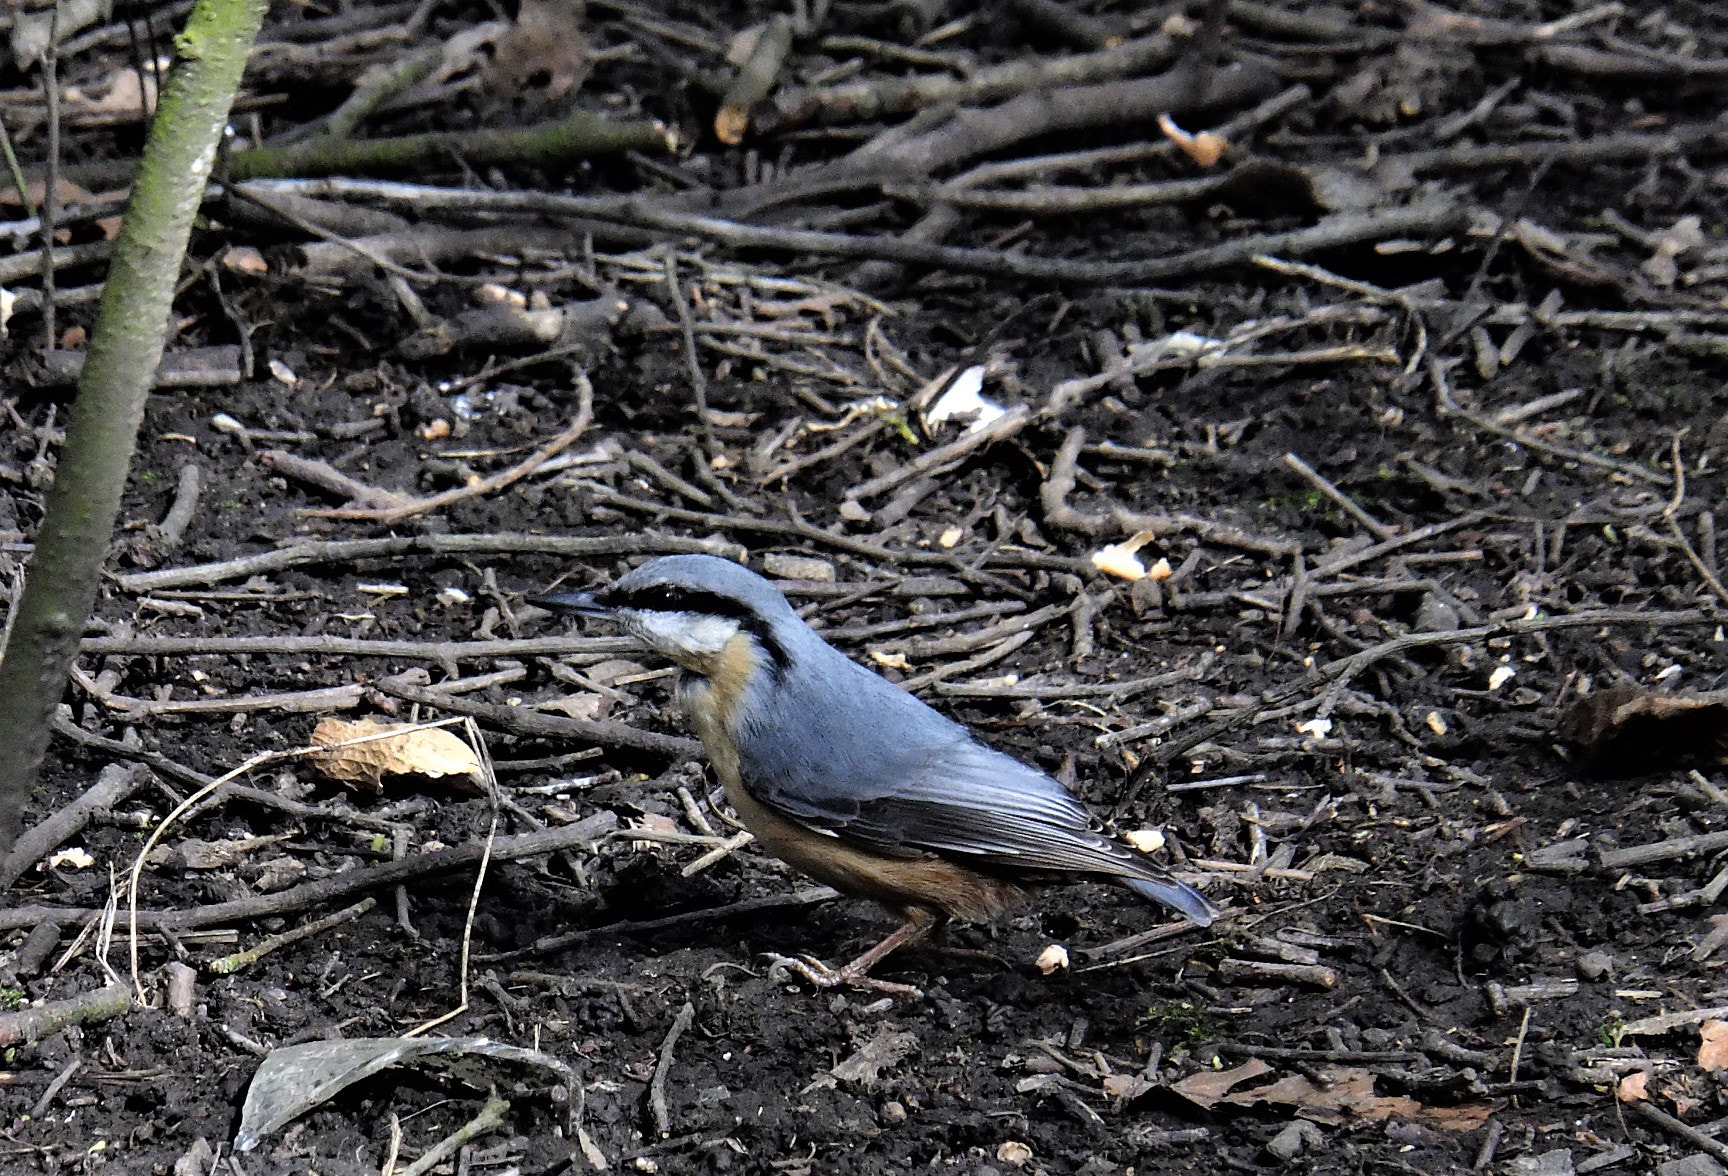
[[125, 348]]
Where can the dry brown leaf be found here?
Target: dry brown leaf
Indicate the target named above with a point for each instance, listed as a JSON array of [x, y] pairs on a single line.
[[1343, 1093], [1680, 238], [1127, 1087], [389, 749], [613, 670], [1207, 1088], [278, 873], [1713, 1045], [70, 193], [193, 853], [885, 1048], [1626, 728], [1463, 1117], [1568, 257], [587, 706], [1347, 1092]]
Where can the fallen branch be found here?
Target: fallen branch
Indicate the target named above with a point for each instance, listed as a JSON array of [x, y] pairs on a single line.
[[657, 1087], [547, 144], [349, 551], [338, 886], [184, 367], [521, 721], [28, 1025], [233, 963], [115, 784], [877, 98], [329, 645], [1429, 218], [1119, 520]]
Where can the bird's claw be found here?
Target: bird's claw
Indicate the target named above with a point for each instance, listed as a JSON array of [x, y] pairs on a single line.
[[823, 976]]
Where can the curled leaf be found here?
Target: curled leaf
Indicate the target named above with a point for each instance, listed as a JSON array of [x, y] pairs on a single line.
[[366, 750]]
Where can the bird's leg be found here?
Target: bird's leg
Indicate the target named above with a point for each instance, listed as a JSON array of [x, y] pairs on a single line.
[[918, 926]]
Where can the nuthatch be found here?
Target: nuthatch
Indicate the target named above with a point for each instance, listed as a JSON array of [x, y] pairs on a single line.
[[842, 774]]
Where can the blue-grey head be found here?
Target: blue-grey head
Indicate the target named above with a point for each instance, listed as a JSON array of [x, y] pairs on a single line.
[[689, 607]]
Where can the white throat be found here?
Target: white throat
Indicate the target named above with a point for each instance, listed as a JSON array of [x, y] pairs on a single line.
[[681, 635]]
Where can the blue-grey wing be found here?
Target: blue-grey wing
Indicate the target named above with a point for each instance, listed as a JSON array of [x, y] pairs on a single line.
[[850, 755], [900, 777]]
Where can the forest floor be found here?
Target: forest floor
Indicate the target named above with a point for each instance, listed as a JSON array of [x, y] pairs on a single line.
[[1411, 418]]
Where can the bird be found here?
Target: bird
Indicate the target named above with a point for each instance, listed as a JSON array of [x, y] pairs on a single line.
[[852, 780]]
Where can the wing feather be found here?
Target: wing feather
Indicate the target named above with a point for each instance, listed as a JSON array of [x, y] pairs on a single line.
[[899, 776]]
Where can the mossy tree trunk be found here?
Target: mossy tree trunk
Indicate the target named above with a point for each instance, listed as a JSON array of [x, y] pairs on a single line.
[[101, 432]]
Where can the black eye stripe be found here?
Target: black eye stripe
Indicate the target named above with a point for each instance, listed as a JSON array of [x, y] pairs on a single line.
[[671, 598], [674, 598]]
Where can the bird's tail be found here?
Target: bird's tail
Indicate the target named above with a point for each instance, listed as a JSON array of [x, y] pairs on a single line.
[[1178, 896]]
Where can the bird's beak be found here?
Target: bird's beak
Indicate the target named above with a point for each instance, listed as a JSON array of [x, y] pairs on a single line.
[[582, 604]]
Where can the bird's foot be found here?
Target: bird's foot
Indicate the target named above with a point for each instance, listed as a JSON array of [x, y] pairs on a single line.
[[972, 955], [823, 976]]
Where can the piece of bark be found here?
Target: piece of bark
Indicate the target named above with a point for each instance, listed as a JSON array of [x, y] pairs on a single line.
[[1626, 730]]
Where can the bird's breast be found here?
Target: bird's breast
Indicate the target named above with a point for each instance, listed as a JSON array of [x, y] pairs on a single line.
[[713, 697]]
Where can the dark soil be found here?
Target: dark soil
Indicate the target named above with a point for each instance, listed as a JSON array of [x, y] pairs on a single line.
[[1391, 830]]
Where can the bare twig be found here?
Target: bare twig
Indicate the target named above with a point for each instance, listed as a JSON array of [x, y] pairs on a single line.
[[692, 361], [488, 484], [657, 1086], [520, 721], [490, 1119], [242, 959], [338, 886], [346, 551], [1691, 1135], [33, 1024], [944, 457], [114, 785], [1349, 505]]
